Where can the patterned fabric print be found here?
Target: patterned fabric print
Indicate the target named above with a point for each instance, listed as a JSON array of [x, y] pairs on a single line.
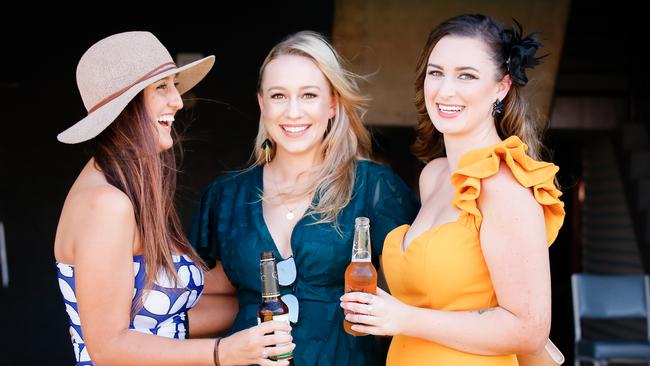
[[163, 307]]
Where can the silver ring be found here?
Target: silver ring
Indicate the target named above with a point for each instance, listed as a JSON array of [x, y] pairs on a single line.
[[369, 309], [265, 354]]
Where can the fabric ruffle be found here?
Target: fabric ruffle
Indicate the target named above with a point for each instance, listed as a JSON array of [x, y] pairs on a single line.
[[536, 175]]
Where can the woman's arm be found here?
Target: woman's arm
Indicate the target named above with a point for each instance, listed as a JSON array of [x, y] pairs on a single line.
[[217, 307], [104, 281], [513, 240]]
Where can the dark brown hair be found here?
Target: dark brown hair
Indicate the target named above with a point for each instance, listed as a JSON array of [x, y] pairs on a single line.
[[127, 153], [504, 50]]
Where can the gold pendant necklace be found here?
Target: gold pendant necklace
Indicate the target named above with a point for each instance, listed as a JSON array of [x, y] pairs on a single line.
[[289, 215]]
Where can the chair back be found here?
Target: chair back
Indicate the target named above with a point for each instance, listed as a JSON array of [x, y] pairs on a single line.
[[609, 297]]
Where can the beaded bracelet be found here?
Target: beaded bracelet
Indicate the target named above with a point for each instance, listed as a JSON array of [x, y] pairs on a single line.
[[215, 353]]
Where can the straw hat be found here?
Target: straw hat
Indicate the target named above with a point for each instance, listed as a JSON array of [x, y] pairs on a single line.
[[114, 70]]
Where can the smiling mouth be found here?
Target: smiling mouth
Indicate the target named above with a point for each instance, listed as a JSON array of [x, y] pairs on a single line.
[[294, 129], [449, 109], [166, 120]]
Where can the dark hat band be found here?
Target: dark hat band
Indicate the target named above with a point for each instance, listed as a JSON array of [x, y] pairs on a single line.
[[156, 71]]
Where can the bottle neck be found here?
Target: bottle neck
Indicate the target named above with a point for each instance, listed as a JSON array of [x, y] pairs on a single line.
[[269, 276], [361, 248], [271, 299]]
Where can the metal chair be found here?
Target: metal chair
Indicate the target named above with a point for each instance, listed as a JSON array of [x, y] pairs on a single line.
[[610, 297]]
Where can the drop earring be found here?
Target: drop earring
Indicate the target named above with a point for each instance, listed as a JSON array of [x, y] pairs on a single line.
[[266, 146], [497, 108]]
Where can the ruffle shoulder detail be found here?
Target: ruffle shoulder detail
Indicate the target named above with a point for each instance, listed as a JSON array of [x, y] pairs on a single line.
[[537, 175]]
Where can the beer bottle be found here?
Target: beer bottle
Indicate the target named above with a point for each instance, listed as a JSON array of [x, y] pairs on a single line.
[[360, 276], [272, 307]]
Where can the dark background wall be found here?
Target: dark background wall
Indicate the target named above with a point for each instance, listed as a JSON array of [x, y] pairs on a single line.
[[39, 98]]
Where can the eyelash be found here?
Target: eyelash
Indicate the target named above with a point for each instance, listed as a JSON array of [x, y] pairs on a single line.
[[469, 77], [281, 96], [461, 76], [164, 85]]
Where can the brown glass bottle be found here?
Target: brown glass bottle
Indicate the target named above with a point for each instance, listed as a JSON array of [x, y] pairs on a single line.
[[360, 276], [272, 307]]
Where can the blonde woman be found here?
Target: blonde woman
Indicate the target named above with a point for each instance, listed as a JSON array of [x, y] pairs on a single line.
[[310, 179]]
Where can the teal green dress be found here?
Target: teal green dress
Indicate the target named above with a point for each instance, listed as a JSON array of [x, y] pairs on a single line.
[[229, 227]]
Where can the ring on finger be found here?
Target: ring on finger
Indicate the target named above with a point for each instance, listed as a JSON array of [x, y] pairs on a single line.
[[264, 353], [369, 310]]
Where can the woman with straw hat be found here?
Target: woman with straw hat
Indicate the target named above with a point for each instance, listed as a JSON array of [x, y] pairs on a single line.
[[127, 274]]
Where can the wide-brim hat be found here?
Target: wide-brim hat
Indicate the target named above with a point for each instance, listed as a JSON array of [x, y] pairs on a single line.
[[114, 70]]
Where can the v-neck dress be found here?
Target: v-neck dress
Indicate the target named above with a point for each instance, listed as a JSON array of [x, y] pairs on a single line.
[[229, 227], [444, 268]]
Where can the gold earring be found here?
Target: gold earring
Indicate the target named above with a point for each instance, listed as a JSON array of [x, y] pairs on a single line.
[[266, 146], [329, 126]]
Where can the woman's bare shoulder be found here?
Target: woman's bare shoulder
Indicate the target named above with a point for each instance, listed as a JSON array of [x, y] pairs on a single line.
[[95, 215], [430, 176]]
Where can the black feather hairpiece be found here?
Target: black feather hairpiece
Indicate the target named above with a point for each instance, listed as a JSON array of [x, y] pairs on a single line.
[[520, 52]]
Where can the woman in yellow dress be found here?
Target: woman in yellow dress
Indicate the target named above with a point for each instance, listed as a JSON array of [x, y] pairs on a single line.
[[470, 278]]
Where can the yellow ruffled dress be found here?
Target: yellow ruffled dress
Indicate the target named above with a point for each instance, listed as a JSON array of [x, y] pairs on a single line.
[[444, 268]]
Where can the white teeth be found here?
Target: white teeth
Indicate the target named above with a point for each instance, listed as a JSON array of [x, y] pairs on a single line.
[[450, 109], [166, 118], [294, 129]]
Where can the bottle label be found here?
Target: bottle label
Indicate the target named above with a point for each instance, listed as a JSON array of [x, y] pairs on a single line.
[[361, 248], [280, 318], [269, 277]]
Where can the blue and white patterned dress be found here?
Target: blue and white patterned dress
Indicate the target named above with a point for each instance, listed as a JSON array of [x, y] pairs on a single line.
[[163, 307]]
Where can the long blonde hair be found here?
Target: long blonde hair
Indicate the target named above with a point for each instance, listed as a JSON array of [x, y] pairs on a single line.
[[346, 139]]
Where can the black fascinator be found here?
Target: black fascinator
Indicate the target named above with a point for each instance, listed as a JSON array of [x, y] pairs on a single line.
[[520, 52]]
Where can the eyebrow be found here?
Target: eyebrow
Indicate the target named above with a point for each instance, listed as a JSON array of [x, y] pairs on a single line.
[[302, 87], [462, 68]]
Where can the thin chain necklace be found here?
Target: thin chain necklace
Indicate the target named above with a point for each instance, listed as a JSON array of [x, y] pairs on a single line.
[[290, 211]]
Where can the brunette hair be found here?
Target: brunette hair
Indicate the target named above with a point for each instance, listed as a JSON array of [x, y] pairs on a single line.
[[128, 155], [511, 54]]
